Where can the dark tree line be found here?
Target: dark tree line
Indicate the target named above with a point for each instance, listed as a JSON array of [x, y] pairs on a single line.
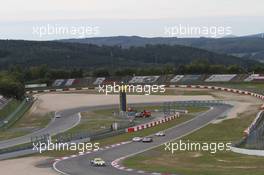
[[59, 55], [12, 81]]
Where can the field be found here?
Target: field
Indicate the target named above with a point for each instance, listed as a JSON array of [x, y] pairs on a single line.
[[25, 125], [128, 136], [9, 108], [204, 163]]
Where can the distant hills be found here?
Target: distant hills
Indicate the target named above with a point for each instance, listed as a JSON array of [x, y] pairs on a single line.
[[251, 47], [75, 54]]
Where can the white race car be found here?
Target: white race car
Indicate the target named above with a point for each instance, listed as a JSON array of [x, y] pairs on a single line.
[[57, 115], [137, 139], [160, 134], [98, 162], [147, 140]]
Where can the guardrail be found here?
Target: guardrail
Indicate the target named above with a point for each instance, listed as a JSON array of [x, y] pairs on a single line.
[[16, 115], [69, 137], [255, 123]]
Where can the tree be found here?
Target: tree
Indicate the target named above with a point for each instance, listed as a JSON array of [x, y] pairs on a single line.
[[10, 87], [101, 73]]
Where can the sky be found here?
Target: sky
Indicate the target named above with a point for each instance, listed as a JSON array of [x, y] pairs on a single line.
[[24, 19]]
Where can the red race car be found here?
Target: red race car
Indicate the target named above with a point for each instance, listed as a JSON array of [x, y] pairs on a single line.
[[143, 114]]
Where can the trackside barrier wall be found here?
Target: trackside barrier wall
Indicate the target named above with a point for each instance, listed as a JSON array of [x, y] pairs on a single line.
[[260, 116], [153, 123]]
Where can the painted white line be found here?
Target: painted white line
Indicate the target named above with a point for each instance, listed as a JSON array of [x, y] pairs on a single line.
[[59, 171]]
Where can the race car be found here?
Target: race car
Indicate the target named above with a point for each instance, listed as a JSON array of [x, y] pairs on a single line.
[[143, 114], [137, 139], [97, 162], [57, 115], [147, 139], [160, 134]]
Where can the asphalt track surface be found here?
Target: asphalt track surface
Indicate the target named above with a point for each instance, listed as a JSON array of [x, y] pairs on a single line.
[[81, 165], [57, 125], [69, 118]]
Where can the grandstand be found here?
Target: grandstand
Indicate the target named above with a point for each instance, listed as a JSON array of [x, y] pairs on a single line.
[[239, 78], [191, 79], [254, 77], [63, 82], [163, 79], [58, 83], [99, 81], [221, 78], [83, 82], [144, 79], [112, 80], [69, 82], [176, 79]]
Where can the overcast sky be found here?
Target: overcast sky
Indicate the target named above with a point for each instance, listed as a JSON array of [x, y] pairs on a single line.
[[119, 17]]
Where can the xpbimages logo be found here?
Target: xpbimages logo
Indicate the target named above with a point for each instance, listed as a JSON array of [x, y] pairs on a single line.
[[50, 146], [211, 147], [145, 89]]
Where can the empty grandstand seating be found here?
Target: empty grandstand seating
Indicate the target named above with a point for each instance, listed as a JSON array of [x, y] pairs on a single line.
[[254, 77], [163, 79], [69, 82], [144, 79], [221, 78], [239, 78], [58, 82], [176, 78], [63, 82], [191, 78], [112, 80], [99, 80], [87, 81]]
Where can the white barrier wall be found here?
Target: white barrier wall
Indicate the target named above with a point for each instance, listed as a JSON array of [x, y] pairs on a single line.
[[249, 152]]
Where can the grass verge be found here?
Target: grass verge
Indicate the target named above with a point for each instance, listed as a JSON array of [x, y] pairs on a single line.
[[129, 136], [25, 125], [9, 108], [204, 163]]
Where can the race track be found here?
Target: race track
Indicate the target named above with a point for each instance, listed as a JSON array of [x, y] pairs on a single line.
[[69, 119], [57, 125], [80, 165]]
